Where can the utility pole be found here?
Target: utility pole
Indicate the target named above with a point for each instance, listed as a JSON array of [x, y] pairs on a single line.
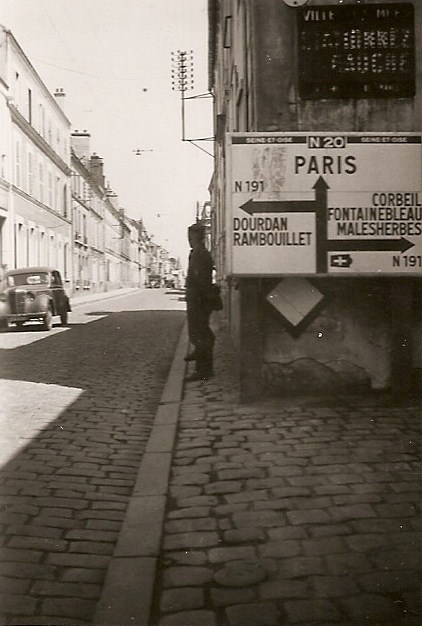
[[182, 77]]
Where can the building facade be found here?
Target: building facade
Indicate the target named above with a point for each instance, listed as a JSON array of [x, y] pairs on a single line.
[[36, 228], [354, 338], [55, 207]]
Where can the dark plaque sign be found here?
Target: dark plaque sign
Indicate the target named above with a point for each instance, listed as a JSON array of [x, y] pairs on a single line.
[[356, 51]]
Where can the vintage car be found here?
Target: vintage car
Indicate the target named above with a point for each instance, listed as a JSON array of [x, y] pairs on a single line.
[[33, 293]]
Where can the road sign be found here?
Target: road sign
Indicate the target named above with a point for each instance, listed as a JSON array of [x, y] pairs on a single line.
[[356, 51], [324, 203]]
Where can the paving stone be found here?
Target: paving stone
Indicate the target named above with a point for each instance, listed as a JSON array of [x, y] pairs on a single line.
[[400, 559], [344, 564], [259, 519], [367, 542], [226, 597], [190, 479], [308, 516], [32, 530], [184, 492], [286, 532], [187, 557], [334, 586], [200, 511], [190, 540], [197, 501], [181, 599], [246, 496], [225, 554], [18, 604], [282, 589], [187, 525], [82, 575], [244, 535], [241, 573], [395, 510], [186, 576], [300, 567], [222, 487], [233, 474], [189, 618], [78, 560], [390, 581], [313, 611], [281, 549], [73, 589], [37, 543], [14, 585], [92, 535], [351, 512], [259, 614], [371, 608], [78, 608], [316, 547]]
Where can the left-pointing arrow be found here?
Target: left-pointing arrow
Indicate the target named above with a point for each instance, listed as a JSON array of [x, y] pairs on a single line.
[[278, 206], [369, 245]]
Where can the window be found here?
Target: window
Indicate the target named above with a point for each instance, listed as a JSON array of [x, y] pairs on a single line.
[[29, 106], [57, 206], [18, 164], [50, 189], [41, 120], [41, 181], [30, 174], [65, 200]]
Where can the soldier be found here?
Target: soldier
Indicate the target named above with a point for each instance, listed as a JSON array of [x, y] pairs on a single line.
[[199, 306]]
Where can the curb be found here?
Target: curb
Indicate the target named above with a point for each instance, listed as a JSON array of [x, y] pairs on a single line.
[[127, 594], [102, 295]]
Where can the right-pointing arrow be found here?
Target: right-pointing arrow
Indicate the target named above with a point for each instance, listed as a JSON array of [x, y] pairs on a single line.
[[369, 245]]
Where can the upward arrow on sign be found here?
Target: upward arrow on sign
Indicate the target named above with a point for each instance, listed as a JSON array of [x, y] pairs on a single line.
[[323, 244]]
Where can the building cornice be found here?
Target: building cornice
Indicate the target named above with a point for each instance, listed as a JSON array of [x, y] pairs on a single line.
[[39, 141], [23, 194]]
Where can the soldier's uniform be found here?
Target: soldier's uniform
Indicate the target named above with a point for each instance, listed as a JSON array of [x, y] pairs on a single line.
[[198, 292]]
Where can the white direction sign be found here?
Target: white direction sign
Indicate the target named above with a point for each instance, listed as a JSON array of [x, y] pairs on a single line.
[[324, 203]]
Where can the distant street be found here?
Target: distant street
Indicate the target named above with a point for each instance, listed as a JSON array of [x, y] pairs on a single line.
[[77, 409]]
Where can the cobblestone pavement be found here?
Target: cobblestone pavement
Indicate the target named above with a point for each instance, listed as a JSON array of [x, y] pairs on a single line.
[[65, 491], [290, 513]]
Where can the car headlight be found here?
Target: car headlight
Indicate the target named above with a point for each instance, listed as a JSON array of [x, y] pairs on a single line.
[[3, 297], [30, 296]]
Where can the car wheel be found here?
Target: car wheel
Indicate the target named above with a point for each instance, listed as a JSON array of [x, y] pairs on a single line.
[[63, 318], [48, 320]]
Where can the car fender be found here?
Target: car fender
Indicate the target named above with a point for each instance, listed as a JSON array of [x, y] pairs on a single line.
[[4, 308], [44, 302]]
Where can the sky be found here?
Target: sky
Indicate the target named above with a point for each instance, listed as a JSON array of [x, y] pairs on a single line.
[[113, 60]]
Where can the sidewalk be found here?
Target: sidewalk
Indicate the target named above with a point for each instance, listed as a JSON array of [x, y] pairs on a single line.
[[85, 298], [283, 512]]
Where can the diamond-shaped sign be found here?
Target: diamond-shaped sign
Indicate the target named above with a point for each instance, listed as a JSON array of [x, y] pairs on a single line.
[[294, 298]]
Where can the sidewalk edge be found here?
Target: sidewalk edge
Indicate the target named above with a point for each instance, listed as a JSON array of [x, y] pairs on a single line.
[[127, 594]]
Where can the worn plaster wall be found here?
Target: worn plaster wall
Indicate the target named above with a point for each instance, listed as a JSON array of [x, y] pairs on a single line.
[[349, 343]]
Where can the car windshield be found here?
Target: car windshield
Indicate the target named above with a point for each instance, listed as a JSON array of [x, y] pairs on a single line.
[[32, 278]]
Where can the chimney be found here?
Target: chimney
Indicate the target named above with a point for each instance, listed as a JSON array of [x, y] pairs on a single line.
[[60, 97], [96, 168], [80, 143]]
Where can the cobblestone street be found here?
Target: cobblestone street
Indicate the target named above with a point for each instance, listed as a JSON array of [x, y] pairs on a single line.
[[290, 512], [82, 401], [132, 498]]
